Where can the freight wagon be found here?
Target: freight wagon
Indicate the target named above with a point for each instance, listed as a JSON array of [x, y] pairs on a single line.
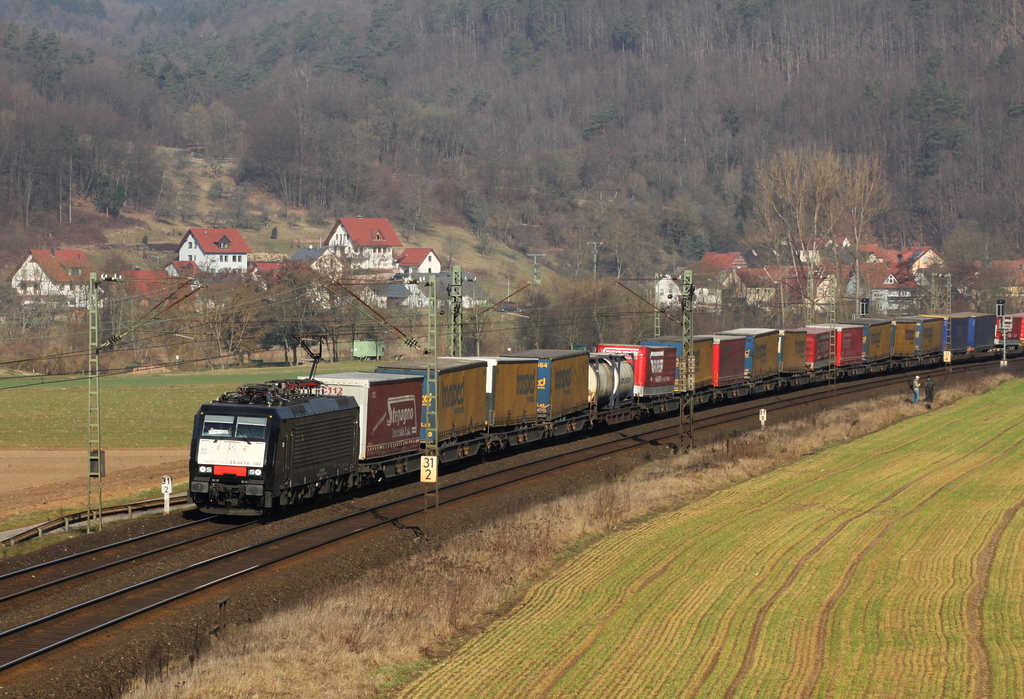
[[818, 350], [760, 351], [703, 359], [389, 409], [728, 360], [610, 382], [562, 378], [654, 368], [1011, 336], [792, 351], [981, 333], [849, 341], [877, 339], [461, 401], [916, 336], [511, 391], [955, 332]]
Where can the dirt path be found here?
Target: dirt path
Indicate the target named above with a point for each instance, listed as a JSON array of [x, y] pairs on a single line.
[[40, 479]]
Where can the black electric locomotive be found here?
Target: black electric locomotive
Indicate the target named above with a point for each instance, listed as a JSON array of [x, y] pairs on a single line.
[[272, 444]]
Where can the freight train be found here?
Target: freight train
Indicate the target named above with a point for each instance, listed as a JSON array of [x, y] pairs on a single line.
[[276, 444]]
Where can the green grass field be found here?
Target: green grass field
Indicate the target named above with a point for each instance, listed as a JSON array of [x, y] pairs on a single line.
[[889, 567], [147, 410]]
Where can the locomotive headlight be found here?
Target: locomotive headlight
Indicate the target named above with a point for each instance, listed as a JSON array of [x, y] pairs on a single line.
[[255, 471], [205, 469]]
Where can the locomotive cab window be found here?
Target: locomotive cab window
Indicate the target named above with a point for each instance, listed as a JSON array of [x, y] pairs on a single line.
[[253, 428], [225, 427], [218, 426]]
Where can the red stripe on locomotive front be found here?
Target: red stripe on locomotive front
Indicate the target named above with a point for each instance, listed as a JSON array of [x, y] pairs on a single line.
[[229, 470]]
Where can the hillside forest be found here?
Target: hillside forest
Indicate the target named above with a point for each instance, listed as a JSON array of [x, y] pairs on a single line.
[[542, 124]]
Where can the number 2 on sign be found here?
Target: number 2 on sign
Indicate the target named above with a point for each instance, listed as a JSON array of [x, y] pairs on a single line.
[[428, 468]]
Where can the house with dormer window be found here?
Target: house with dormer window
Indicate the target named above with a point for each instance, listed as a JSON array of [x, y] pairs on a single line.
[[215, 250], [364, 243], [54, 275]]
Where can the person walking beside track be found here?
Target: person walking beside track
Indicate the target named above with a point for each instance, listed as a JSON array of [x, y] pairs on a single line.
[[929, 392], [915, 387]]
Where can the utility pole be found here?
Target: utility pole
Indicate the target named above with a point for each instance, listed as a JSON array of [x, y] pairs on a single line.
[[536, 268], [833, 338], [657, 307], [595, 244], [686, 383], [1005, 326], [455, 293], [430, 462], [96, 461]]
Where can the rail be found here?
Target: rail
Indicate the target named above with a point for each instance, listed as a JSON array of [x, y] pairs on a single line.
[[65, 522]]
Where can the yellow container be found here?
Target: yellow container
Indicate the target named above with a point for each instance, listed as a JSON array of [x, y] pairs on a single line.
[[792, 351]]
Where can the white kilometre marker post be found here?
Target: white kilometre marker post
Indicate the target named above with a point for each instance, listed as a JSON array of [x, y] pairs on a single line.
[[166, 486]]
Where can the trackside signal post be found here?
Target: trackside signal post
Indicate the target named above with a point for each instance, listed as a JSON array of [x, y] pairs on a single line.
[[97, 467], [455, 294], [430, 461], [686, 383]]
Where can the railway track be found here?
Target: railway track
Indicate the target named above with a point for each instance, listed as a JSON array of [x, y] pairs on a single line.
[[50, 575], [31, 640]]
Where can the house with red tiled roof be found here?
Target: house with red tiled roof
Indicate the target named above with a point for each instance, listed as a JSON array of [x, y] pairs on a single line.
[[723, 261], [177, 268], [756, 286], [914, 258], [418, 261], [215, 249], [54, 275], [1008, 272], [365, 243], [148, 287]]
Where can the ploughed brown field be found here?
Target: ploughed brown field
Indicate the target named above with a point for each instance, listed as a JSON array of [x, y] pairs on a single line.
[[48, 479]]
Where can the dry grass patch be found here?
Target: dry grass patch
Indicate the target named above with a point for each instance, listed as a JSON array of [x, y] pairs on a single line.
[[362, 641]]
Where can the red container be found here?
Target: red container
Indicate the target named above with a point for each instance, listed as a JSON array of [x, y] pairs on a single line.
[[817, 349], [1012, 336], [728, 360], [389, 409], [654, 368], [849, 343]]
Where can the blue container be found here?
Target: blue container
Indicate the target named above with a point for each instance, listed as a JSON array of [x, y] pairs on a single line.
[[982, 332], [761, 354]]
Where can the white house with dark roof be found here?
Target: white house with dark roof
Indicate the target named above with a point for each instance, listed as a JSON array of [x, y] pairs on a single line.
[[55, 275], [365, 243], [215, 249]]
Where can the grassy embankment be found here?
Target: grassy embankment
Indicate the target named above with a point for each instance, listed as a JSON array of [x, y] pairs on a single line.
[[883, 567]]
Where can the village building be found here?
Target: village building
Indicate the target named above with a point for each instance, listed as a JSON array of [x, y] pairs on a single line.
[[177, 268], [55, 276], [891, 292], [215, 250], [707, 291], [323, 260], [365, 243], [148, 287], [418, 261]]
